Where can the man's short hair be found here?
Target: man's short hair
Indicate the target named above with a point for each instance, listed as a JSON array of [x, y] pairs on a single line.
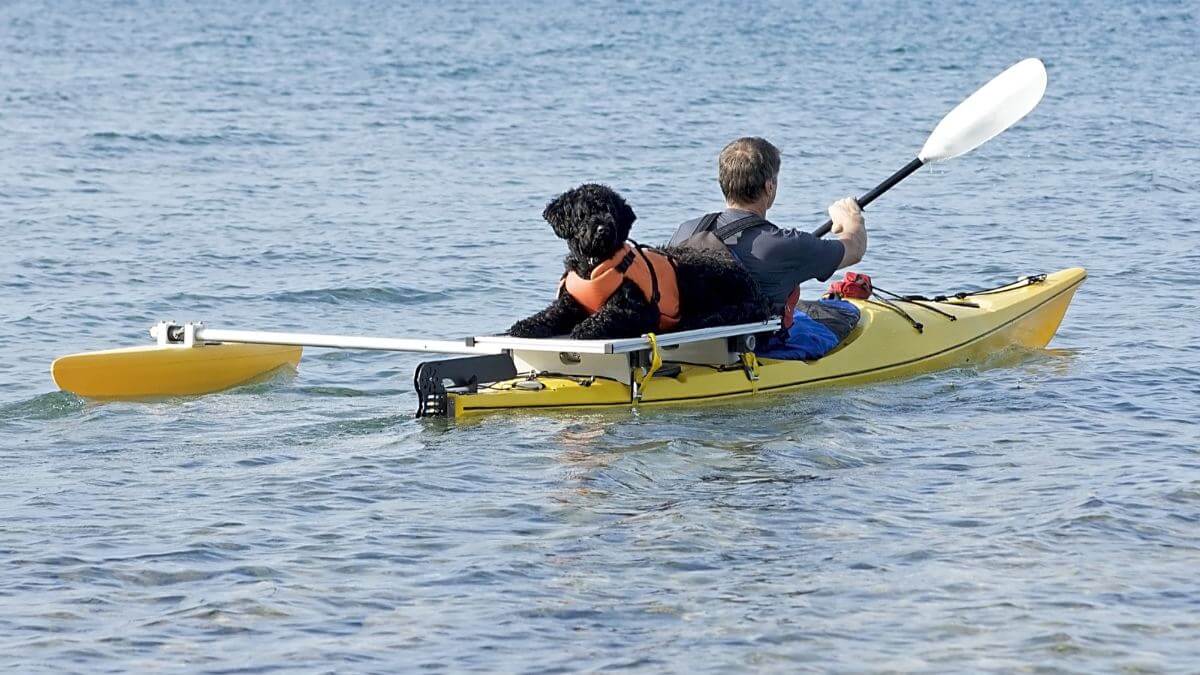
[[745, 166]]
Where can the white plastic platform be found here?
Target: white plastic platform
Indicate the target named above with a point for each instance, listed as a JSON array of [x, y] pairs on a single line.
[[624, 345]]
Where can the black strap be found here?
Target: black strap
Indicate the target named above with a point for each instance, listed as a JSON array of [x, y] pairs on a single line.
[[880, 300], [625, 262], [729, 229], [654, 294], [707, 222], [918, 301], [738, 226]]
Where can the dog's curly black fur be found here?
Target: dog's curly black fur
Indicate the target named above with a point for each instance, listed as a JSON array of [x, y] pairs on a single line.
[[595, 221]]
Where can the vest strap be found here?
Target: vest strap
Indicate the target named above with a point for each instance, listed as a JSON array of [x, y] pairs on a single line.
[[654, 295], [724, 232], [625, 262], [738, 226], [707, 222]]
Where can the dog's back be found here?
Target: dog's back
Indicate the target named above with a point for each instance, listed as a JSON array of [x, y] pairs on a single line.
[[715, 290]]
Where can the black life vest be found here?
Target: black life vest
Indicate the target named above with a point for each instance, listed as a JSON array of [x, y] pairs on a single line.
[[710, 238]]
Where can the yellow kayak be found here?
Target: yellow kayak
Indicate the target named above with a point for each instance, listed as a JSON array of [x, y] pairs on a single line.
[[892, 339]]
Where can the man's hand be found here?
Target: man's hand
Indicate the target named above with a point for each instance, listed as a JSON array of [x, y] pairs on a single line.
[[849, 228]]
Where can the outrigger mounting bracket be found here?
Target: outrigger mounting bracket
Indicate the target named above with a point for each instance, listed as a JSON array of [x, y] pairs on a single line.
[[172, 333], [464, 373]]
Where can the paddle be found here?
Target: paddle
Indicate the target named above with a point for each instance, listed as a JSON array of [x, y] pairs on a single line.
[[996, 106]]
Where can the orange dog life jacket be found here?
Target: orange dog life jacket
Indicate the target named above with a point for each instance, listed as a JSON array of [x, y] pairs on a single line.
[[650, 270]]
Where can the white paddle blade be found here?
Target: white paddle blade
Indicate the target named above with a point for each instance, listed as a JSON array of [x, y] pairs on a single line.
[[997, 105]]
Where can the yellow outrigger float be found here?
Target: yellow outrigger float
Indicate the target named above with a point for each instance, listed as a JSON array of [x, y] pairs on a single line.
[[892, 340]]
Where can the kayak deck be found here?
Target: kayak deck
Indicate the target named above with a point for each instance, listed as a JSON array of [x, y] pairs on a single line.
[[886, 344]]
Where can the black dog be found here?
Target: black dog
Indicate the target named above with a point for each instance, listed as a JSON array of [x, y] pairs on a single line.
[[713, 288]]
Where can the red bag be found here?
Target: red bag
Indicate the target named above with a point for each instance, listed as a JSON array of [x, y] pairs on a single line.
[[853, 285]]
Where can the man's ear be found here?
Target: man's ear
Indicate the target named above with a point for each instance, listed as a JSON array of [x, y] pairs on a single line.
[[555, 213]]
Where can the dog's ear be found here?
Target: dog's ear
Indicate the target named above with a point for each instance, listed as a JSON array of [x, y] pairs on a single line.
[[555, 213], [622, 214]]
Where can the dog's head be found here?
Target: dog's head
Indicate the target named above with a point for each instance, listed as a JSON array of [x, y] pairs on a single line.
[[593, 219]]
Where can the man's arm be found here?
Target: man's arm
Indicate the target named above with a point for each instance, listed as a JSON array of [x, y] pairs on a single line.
[[849, 228]]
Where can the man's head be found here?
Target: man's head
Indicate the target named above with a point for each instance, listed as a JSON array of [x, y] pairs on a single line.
[[748, 169]]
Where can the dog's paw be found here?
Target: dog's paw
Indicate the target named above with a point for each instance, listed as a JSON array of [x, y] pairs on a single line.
[[581, 333], [589, 332], [527, 328]]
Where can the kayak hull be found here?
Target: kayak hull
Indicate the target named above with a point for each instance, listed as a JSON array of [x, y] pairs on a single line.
[[885, 345], [157, 371]]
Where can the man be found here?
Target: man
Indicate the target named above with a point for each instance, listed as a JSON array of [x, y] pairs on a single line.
[[778, 259]]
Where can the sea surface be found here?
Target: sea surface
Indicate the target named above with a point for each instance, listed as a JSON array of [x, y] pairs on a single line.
[[379, 168]]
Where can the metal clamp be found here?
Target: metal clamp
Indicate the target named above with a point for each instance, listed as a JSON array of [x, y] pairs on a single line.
[[172, 333]]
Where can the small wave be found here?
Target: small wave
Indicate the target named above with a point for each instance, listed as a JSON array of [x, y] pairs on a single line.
[[1172, 184], [225, 137], [452, 117], [234, 41], [336, 392], [1014, 355], [330, 296], [401, 295], [52, 406], [322, 432], [460, 73], [575, 49], [266, 460], [759, 478]]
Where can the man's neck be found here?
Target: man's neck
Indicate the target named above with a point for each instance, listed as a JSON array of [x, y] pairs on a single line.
[[759, 208]]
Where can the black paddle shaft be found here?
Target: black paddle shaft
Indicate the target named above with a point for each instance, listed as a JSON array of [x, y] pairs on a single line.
[[879, 189]]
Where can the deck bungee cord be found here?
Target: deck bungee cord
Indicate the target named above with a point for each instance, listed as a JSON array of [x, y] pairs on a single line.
[[877, 296]]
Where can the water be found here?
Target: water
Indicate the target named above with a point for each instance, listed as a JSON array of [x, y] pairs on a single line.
[[380, 169]]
